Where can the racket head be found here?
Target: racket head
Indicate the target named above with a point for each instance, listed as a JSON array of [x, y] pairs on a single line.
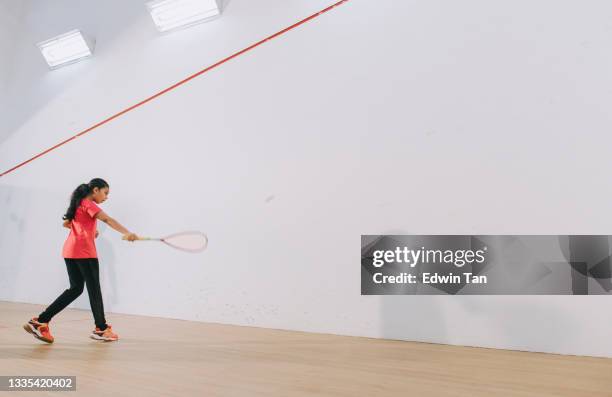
[[191, 241]]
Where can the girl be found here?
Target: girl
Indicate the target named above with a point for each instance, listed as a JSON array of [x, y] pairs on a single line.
[[82, 260]]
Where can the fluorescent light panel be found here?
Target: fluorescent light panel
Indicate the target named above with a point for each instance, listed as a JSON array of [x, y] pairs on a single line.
[[65, 49], [173, 14]]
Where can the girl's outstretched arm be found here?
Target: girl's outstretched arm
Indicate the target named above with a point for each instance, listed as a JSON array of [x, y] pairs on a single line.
[[103, 216], [66, 223]]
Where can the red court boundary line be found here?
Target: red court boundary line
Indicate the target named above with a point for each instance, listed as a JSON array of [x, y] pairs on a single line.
[[193, 76]]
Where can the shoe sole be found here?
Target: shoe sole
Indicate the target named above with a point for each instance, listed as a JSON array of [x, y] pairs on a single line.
[[32, 330], [103, 339]]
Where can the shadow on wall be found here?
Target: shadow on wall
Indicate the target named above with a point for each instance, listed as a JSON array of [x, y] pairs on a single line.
[[14, 204], [31, 238], [552, 330], [412, 317], [422, 317]]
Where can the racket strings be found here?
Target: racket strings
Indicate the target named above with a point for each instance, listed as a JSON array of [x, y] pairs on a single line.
[[187, 241]]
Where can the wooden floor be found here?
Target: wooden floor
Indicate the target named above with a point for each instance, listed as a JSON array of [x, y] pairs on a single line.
[[161, 357]]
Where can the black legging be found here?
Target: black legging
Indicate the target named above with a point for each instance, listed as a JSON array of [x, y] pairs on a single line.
[[80, 271]]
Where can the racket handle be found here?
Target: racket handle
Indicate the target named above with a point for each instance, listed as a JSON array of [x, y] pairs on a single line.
[[139, 238]]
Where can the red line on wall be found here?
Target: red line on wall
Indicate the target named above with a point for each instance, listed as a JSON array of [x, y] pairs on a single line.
[[193, 76]]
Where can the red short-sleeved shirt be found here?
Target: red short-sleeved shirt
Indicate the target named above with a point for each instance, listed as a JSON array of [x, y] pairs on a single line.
[[81, 240]]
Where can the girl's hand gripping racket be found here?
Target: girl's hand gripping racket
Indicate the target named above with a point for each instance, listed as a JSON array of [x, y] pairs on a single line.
[[185, 241]]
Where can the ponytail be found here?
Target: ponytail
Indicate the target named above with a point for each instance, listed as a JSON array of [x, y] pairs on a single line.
[[82, 191]]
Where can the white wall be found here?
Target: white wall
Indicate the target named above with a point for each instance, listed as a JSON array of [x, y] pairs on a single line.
[[11, 14], [378, 118], [10, 19]]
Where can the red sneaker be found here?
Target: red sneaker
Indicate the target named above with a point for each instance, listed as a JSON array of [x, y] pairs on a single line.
[[107, 335], [39, 330]]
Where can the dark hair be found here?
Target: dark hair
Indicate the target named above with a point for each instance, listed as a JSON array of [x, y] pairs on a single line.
[[80, 193]]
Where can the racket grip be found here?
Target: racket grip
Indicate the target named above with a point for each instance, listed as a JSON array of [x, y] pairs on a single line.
[[139, 238]]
